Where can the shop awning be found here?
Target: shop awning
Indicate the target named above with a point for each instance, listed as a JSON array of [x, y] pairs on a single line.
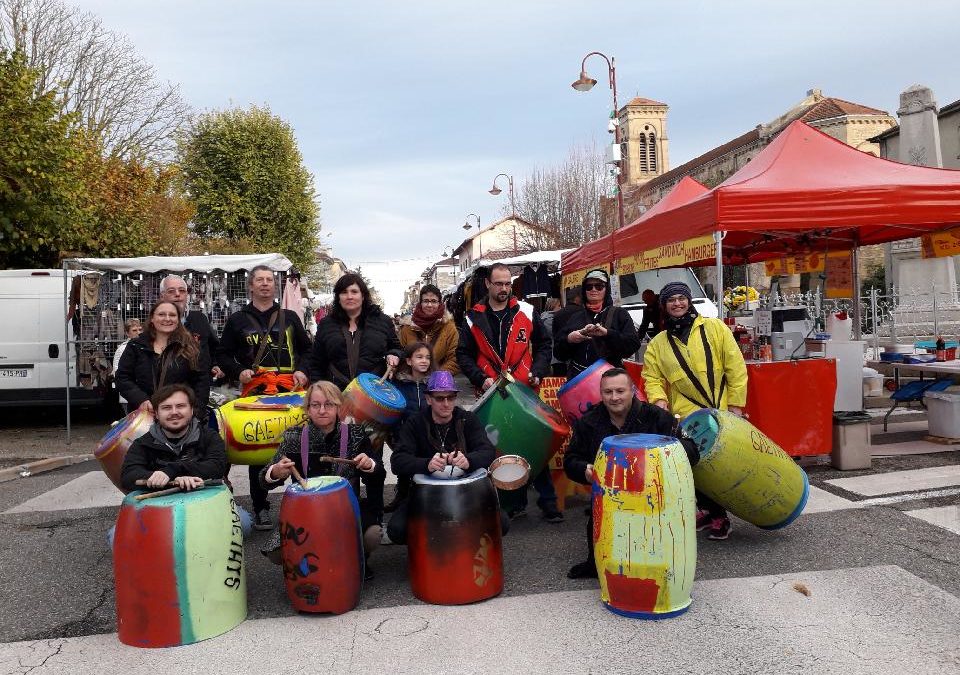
[[152, 264]]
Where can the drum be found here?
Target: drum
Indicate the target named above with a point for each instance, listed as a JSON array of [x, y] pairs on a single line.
[[453, 539], [372, 403], [252, 427], [741, 469], [112, 448], [321, 546], [178, 568], [524, 424], [582, 392], [510, 472], [519, 423], [644, 526]]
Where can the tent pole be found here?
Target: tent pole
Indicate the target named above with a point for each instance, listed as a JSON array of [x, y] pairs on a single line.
[[855, 261], [718, 239], [66, 342]]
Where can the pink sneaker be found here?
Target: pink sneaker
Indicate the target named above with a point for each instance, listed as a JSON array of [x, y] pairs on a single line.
[[719, 529], [703, 520]]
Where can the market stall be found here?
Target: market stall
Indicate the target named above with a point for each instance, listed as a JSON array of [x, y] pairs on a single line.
[[805, 203]]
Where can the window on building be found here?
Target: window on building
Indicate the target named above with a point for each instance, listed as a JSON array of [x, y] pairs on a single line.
[[652, 151], [642, 147]]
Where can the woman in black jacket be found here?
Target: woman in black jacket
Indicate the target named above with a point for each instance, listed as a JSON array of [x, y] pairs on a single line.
[[164, 354], [356, 337]]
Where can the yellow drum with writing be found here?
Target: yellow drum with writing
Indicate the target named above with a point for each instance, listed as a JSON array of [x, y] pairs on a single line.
[[741, 469], [252, 427]]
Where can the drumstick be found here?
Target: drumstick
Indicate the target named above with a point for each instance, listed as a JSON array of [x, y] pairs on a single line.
[[208, 481], [386, 374], [174, 490], [261, 406], [296, 474], [338, 460]]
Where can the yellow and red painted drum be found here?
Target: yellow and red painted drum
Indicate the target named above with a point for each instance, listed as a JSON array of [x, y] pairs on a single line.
[[252, 427], [321, 545], [644, 526], [453, 539], [741, 469], [372, 403], [112, 448], [178, 568]]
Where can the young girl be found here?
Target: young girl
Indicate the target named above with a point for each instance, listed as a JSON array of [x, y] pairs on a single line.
[[411, 379]]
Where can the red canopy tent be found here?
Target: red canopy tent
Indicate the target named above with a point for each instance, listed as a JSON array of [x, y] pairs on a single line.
[[807, 191], [601, 253]]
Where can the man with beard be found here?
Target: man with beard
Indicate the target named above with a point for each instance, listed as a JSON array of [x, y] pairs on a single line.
[[505, 335], [177, 448], [621, 413]]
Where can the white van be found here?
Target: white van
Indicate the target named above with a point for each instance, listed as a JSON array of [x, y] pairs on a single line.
[[32, 365], [633, 285]]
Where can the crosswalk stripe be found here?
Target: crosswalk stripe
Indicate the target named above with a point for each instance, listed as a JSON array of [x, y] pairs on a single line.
[[877, 484], [947, 517]]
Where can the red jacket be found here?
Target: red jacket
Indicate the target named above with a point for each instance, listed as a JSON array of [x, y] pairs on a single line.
[[526, 352]]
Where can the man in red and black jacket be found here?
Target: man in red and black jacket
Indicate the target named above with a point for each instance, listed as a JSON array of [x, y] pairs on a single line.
[[504, 335]]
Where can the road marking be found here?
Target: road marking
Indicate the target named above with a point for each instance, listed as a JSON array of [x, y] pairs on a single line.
[[909, 497], [873, 615], [900, 481], [947, 517], [821, 501]]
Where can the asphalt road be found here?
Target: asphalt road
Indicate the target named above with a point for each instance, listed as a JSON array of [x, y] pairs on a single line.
[[57, 581]]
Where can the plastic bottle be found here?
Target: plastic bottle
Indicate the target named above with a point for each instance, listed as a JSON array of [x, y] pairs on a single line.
[[941, 349]]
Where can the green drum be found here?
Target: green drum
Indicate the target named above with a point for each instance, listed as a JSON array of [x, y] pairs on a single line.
[[519, 423]]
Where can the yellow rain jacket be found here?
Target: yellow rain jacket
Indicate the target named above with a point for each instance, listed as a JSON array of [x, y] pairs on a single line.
[[665, 379]]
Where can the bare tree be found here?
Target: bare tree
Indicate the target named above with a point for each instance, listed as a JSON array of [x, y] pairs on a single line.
[[98, 74], [563, 202]]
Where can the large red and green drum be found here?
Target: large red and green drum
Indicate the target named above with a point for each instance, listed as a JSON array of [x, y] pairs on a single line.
[[519, 423], [644, 526], [744, 471], [178, 568]]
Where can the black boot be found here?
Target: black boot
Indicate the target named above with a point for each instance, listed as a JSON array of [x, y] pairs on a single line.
[[584, 570]]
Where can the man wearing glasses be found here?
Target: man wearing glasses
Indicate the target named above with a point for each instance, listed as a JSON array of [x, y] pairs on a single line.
[[599, 330], [444, 435], [505, 335]]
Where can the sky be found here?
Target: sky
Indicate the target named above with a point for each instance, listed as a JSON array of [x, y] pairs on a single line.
[[405, 111]]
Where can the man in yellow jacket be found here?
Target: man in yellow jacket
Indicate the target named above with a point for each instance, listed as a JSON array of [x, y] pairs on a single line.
[[695, 363]]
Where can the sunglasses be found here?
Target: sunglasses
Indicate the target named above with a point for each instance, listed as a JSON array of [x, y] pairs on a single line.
[[595, 287], [443, 398]]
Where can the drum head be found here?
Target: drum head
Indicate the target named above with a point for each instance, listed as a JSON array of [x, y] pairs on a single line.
[[318, 484], [423, 479], [703, 428], [510, 472], [382, 393]]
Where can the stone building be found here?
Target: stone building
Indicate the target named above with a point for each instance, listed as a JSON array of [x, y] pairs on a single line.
[[645, 149]]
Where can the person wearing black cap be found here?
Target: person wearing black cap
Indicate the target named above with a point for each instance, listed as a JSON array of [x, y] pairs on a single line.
[[695, 363], [599, 330]]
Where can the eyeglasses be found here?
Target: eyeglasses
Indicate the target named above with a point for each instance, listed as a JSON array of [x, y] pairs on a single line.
[[429, 302], [501, 284], [595, 287], [329, 405], [443, 399], [677, 298]]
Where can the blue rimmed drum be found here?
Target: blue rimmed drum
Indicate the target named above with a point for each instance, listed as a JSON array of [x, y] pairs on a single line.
[[741, 469], [373, 403], [112, 448], [320, 545]]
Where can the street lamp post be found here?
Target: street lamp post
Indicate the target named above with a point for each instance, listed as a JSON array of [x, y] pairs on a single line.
[[467, 226], [513, 205], [585, 83]]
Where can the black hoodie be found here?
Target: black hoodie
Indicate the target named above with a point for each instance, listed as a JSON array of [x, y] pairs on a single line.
[[200, 453], [621, 340], [240, 342]]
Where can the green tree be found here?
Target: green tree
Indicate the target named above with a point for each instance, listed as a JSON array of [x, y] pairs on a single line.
[[243, 172], [41, 190]]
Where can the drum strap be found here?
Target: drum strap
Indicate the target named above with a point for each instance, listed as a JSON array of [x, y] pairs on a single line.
[[265, 336], [708, 400], [305, 445]]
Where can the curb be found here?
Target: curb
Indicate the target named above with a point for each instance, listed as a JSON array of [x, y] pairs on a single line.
[[40, 466]]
